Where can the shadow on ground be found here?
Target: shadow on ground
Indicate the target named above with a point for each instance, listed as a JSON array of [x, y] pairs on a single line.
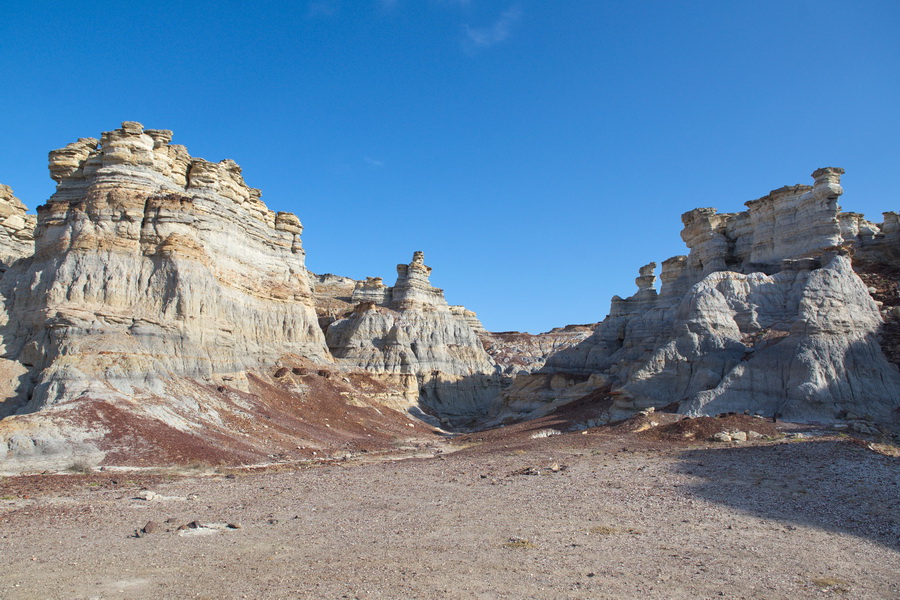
[[831, 485]]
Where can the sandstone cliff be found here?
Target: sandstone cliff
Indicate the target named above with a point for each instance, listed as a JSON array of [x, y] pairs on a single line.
[[764, 314], [16, 229], [410, 329], [150, 263]]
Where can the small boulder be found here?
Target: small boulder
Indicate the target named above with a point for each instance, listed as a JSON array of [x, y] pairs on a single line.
[[151, 527], [722, 436]]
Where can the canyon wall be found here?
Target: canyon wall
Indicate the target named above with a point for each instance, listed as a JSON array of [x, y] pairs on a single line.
[[765, 314], [155, 302]]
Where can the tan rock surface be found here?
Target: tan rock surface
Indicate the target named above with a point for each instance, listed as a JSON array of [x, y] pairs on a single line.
[[150, 264], [520, 353], [152, 269], [16, 229]]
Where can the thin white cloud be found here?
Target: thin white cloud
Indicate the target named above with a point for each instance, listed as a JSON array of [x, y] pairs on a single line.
[[374, 162], [484, 37], [322, 8]]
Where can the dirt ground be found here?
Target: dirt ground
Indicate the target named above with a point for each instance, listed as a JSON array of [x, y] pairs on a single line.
[[603, 514]]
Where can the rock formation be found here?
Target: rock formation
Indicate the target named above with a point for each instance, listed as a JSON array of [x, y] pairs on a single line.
[[519, 353], [156, 307], [410, 329], [150, 265], [16, 229], [764, 314]]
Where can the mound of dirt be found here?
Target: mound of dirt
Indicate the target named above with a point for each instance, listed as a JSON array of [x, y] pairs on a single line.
[[704, 428]]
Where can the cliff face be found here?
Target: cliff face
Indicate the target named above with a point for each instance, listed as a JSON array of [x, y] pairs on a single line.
[[765, 314], [410, 329], [16, 229], [156, 299], [519, 353], [150, 264]]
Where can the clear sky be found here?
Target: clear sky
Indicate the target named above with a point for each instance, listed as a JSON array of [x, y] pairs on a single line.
[[537, 151]]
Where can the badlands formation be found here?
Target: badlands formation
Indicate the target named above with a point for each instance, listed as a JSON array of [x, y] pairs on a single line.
[[156, 311]]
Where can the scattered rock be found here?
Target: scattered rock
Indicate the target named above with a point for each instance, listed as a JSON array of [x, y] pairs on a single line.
[[151, 527]]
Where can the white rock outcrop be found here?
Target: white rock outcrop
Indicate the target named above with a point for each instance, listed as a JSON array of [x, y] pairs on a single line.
[[409, 328], [765, 314]]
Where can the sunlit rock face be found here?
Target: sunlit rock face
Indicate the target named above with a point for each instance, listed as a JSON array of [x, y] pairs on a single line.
[[764, 314], [409, 328], [16, 229], [149, 263]]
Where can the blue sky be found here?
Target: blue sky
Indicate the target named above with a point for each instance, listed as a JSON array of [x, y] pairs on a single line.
[[538, 152]]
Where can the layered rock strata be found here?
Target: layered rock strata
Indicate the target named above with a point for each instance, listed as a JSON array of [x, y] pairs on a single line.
[[764, 314], [519, 353], [410, 329], [150, 264], [16, 229]]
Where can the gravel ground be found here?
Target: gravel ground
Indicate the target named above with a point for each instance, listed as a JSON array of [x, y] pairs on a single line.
[[569, 516]]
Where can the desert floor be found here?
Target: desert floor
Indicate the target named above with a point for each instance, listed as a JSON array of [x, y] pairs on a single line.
[[604, 514]]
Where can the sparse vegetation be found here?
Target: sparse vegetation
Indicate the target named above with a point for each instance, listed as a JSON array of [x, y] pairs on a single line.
[[81, 466]]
